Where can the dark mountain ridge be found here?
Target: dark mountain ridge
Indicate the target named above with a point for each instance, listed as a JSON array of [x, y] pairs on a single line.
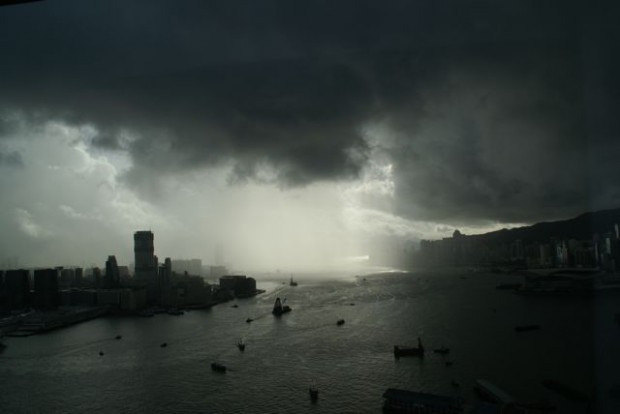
[[582, 227]]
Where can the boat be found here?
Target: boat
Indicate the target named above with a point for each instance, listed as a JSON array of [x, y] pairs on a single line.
[[455, 383], [241, 345], [118, 337], [313, 391], [443, 350], [248, 320], [218, 367], [163, 345], [100, 353], [409, 350], [523, 328], [279, 308], [340, 322], [449, 363], [235, 306], [292, 282]]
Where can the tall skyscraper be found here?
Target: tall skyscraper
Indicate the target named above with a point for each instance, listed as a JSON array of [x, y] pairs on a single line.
[[46, 288], [112, 274], [145, 271]]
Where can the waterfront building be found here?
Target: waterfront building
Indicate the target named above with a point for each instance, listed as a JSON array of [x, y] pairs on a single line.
[[112, 274], [46, 294], [16, 289], [78, 274], [146, 272], [238, 285]]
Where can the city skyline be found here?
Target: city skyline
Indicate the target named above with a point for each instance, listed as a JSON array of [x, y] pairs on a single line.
[[303, 135]]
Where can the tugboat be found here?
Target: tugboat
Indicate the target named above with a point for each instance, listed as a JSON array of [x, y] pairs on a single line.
[[218, 367], [409, 350], [292, 282], [313, 391], [241, 345], [279, 308]]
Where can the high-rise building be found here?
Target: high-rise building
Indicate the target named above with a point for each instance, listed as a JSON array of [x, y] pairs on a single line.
[[79, 276], [17, 289], [146, 272], [112, 274], [46, 295], [143, 248]]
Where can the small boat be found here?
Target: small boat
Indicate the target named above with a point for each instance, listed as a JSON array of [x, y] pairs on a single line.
[[443, 350], [292, 282], [118, 337], [524, 328], [241, 345], [449, 363], [248, 320], [279, 308], [235, 306], [163, 345], [340, 322], [218, 367], [455, 384], [409, 350], [351, 304], [100, 353], [313, 391]]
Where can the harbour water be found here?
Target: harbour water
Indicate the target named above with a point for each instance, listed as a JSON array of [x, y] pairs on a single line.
[[351, 364]]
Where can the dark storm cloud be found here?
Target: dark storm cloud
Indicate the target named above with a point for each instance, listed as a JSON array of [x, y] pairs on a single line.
[[474, 92]]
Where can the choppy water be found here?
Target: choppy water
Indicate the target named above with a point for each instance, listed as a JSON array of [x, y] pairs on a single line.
[[352, 364]]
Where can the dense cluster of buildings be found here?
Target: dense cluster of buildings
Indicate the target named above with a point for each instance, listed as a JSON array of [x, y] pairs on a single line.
[[168, 284], [600, 251]]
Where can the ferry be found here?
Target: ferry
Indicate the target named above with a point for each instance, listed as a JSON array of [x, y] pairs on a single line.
[[409, 350]]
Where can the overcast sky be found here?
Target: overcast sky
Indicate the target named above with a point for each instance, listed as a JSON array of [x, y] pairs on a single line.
[[298, 133]]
